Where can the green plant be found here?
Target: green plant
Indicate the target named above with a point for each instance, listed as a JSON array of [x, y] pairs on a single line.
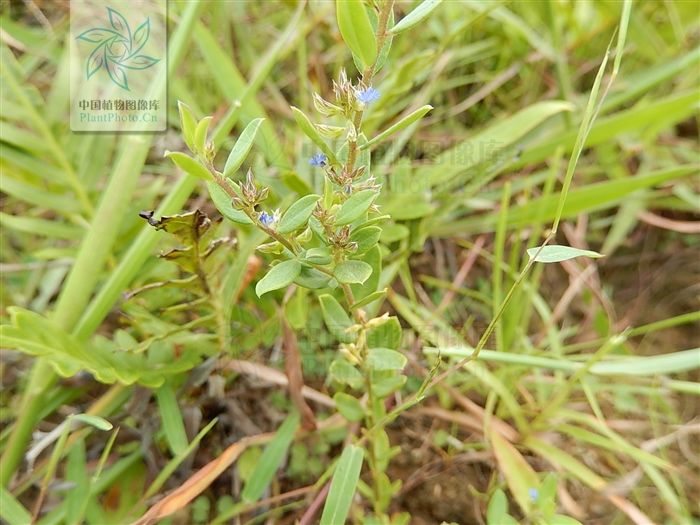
[[520, 366], [329, 243]]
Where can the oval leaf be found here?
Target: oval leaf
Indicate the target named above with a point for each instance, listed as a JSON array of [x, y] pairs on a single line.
[[556, 253], [280, 276], [240, 150], [189, 165], [352, 272], [385, 359], [200, 134], [356, 30], [343, 372], [222, 201], [354, 207], [335, 317], [298, 214], [366, 238], [188, 124], [349, 407]]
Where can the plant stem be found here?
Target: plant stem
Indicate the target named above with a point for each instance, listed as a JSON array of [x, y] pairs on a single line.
[[367, 76]]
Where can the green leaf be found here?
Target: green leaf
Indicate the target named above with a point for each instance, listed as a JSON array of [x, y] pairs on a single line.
[[35, 335], [171, 418], [366, 238], [94, 421], [200, 134], [385, 335], [583, 199], [189, 165], [416, 16], [345, 478], [310, 131], [354, 207], [518, 473], [188, 124], [384, 386], [280, 276], [298, 214], [400, 125], [562, 460], [222, 201], [319, 255], [385, 359], [374, 258], [471, 152], [375, 296], [345, 373], [356, 30], [556, 253], [312, 278], [497, 510], [271, 459], [76, 473], [349, 406], [174, 463], [12, 510], [335, 317], [352, 272], [240, 150]]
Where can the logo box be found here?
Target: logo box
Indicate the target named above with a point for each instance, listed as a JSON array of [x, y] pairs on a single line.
[[118, 67]]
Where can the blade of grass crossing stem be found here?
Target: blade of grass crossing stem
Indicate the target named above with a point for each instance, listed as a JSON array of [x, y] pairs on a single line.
[[672, 363], [105, 455], [175, 462], [592, 109], [92, 254], [271, 459], [345, 478], [171, 419], [499, 243], [11, 510], [585, 127]]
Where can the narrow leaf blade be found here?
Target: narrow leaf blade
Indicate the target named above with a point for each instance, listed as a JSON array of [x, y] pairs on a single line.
[[242, 147], [356, 30], [271, 459], [556, 253], [345, 478], [417, 15]]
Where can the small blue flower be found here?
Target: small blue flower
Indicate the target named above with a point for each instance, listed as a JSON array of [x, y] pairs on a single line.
[[534, 494], [368, 95], [266, 219], [318, 160]]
